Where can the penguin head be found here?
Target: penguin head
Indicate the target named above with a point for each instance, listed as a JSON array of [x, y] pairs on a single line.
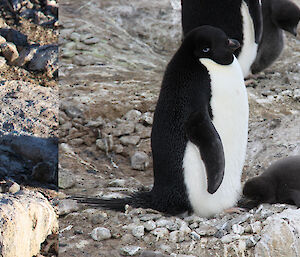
[[212, 43], [286, 15], [259, 189]]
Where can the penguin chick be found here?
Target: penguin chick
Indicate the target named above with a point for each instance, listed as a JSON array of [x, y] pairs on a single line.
[[278, 15], [280, 183], [199, 132]]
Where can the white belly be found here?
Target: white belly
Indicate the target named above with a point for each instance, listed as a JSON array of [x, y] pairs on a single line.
[[249, 48], [229, 105]]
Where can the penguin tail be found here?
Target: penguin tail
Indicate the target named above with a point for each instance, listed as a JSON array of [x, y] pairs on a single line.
[[136, 200]]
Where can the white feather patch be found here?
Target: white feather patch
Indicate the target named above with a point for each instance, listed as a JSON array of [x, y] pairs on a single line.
[[249, 48], [229, 105]]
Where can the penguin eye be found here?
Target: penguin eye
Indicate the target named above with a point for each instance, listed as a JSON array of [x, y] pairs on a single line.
[[206, 49]]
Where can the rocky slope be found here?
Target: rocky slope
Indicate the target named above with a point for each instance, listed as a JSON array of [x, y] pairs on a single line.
[[113, 54]]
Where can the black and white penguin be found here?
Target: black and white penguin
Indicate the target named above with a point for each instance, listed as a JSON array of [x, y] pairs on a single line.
[[278, 15], [280, 183], [239, 19], [199, 132]]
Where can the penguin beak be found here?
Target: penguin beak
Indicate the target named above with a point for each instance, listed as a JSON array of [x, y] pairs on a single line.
[[233, 44]]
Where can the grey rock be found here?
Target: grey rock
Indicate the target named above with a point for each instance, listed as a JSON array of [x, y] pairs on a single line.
[[66, 206], [99, 122], [142, 131], [139, 161], [130, 250], [238, 229], [100, 233], [160, 232], [147, 118], [14, 36], [117, 183], [14, 188], [138, 231], [150, 225], [2, 40], [105, 144], [149, 216], [132, 115], [195, 236], [65, 179], [91, 40], [72, 111], [129, 140], [176, 236], [230, 238], [124, 128], [45, 59], [280, 236]]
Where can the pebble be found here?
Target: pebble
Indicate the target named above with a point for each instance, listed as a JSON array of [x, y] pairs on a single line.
[[230, 238], [149, 216], [138, 231], [65, 179], [150, 225], [206, 230], [160, 232], [133, 115], [152, 254], [2, 40], [14, 36], [129, 140], [66, 206], [100, 233], [147, 118], [140, 161], [99, 122], [195, 236], [130, 250], [14, 188], [117, 183], [256, 227], [176, 236], [238, 229], [10, 52], [124, 128]]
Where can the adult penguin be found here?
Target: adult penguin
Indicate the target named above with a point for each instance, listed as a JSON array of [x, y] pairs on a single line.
[[239, 19], [199, 132], [278, 15]]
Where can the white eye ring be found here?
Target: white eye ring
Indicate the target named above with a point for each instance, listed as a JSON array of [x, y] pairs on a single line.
[[206, 49]]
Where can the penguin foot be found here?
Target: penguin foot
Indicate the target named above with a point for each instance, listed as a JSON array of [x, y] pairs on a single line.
[[237, 210]]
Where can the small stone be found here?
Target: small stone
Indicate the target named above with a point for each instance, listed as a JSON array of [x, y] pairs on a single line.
[[10, 52], [185, 228], [138, 231], [148, 216], [195, 236], [125, 128], [256, 227], [252, 241], [139, 161], [2, 40], [118, 148], [117, 183], [152, 254], [96, 123], [91, 41], [150, 225], [133, 115], [100, 233], [147, 118], [230, 238], [129, 140], [14, 188], [206, 230], [238, 229], [176, 236], [160, 232], [66, 206], [65, 179], [130, 250], [105, 144]]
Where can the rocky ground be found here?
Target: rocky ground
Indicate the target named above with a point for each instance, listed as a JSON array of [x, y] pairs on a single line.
[[28, 127], [113, 55]]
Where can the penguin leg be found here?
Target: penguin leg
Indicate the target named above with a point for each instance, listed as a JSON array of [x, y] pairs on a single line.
[[201, 132], [295, 195]]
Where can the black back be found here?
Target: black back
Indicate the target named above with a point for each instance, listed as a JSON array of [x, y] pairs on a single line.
[[225, 14]]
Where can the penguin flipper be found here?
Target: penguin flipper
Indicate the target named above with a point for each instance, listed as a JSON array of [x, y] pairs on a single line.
[[201, 132], [295, 195]]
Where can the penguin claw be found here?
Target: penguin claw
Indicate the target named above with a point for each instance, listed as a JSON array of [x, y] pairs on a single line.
[[237, 210]]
